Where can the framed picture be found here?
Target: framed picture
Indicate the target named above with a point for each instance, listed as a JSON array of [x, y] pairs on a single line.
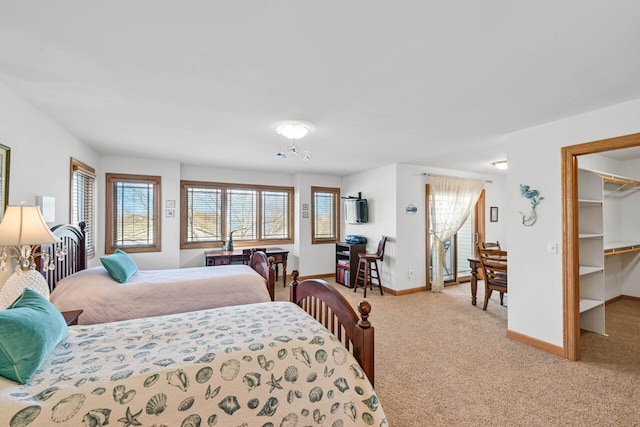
[[5, 157], [170, 213], [305, 214], [170, 204], [494, 214], [305, 206]]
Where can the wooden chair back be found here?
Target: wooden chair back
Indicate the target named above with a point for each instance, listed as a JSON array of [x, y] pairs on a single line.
[[493, 263], [381, 245], [491, 245]]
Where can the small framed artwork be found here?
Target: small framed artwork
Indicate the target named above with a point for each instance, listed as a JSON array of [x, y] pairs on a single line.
[[170, 204], [494, 214], [305, 214], [170, 213], [305, 206], [5, 157]]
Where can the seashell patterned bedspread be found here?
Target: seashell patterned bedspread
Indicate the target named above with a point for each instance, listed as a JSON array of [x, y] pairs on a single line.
[[265, 364]]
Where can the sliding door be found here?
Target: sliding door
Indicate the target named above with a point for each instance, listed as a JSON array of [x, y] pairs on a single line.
[[460, 247]]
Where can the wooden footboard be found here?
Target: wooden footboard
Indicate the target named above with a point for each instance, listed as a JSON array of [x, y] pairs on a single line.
[[264, 266], [330, 308]]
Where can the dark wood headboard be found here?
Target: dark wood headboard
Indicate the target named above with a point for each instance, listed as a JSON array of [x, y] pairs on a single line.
[[72, 238]]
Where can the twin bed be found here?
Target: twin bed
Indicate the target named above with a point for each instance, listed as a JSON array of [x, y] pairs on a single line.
[[265, 364]]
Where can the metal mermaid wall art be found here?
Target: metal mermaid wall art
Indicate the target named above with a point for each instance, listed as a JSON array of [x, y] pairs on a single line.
[[534, 198]]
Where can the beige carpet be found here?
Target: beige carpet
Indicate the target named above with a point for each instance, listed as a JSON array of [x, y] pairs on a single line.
[[442, 361]]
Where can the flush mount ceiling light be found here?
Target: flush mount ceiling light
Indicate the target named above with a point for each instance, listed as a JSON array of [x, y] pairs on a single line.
[[500, 164], [293, 130]]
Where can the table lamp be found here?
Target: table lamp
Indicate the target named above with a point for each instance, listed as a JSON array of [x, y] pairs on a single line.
[[22, 230]]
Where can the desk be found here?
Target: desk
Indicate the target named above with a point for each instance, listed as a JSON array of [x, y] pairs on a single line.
[[474, 264], [219, 257]]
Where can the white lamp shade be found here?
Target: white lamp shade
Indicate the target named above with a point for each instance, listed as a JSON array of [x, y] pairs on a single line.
[[15, 284], [24, 225]]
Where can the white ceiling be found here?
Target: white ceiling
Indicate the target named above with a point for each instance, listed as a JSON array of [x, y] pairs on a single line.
[[428, 82]]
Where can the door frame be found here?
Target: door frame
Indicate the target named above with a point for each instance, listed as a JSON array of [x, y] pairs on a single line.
[[570, 254]]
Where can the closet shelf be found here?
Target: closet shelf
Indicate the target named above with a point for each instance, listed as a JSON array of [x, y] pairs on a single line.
[[587, 202], [587, 269], [589, 236], [587, 304]]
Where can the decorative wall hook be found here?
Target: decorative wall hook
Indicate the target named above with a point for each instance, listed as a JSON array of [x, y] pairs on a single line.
[[534, 198]]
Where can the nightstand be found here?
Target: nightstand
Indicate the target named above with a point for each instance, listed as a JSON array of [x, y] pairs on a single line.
[[71, 317]]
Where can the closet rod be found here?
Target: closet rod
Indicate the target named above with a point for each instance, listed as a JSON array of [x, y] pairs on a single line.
[[449, 176], [620, 180]]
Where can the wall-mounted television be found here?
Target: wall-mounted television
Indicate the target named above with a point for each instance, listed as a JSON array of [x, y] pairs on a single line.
[[356, 211]]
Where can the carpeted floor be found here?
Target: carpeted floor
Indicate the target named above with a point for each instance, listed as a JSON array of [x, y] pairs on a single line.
[[441, 361]]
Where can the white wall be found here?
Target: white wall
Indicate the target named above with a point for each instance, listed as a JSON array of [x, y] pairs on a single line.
[[312, 259], [40, 155], [169, 257], [378, 186], [389, 190], [535, 276]]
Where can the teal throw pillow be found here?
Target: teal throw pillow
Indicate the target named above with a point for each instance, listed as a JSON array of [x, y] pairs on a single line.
[[119, 265], [29, 329]]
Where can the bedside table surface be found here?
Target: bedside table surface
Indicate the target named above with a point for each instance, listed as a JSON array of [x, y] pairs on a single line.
[[71, 317]]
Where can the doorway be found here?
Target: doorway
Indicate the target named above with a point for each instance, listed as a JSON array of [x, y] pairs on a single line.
[[461, 246], [570, 279]]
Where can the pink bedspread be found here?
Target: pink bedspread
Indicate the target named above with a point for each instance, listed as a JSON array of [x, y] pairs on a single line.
[[157, 292]]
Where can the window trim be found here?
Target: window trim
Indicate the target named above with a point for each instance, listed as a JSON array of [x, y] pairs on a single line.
[[186, 184], [336, 215], [75, 166], [156, 181]]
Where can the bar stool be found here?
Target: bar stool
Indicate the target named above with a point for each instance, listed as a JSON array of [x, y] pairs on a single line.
[[368, 263]]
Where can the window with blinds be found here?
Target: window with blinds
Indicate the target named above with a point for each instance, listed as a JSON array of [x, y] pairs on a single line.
[[325, 214], [255, 214], [133, 213], [83, 184]]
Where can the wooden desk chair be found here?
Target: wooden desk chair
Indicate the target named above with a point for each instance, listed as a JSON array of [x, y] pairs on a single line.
[[367, 264], [494, 268], [491, 245], [246, 254]]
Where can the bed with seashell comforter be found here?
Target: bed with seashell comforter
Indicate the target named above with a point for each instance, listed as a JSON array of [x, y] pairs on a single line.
[[265, 364]]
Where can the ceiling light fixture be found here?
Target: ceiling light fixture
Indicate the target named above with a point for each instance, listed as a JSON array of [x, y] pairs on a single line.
[[500, 164], [293, 130]]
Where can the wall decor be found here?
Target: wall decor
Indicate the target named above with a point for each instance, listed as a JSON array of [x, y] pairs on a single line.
[[5, 158], [170, 213], [305, 214], [305, 206], [170, 204], [534, 199], [411, 209], [493, 217]]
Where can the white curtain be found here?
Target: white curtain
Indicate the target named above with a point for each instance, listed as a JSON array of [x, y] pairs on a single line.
[[451, 202]]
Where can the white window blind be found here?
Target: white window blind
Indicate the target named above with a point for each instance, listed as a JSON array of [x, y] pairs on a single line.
[[242, 214], [133, 213], [275, 215], [324, 216], [204, 214], [83, 181]]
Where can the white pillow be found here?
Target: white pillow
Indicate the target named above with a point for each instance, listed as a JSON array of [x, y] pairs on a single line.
[[15, 284]]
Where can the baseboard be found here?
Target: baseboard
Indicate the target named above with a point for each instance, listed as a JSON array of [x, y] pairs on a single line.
[[316, 276], [396, 292], [534, 342], [621, 297]]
